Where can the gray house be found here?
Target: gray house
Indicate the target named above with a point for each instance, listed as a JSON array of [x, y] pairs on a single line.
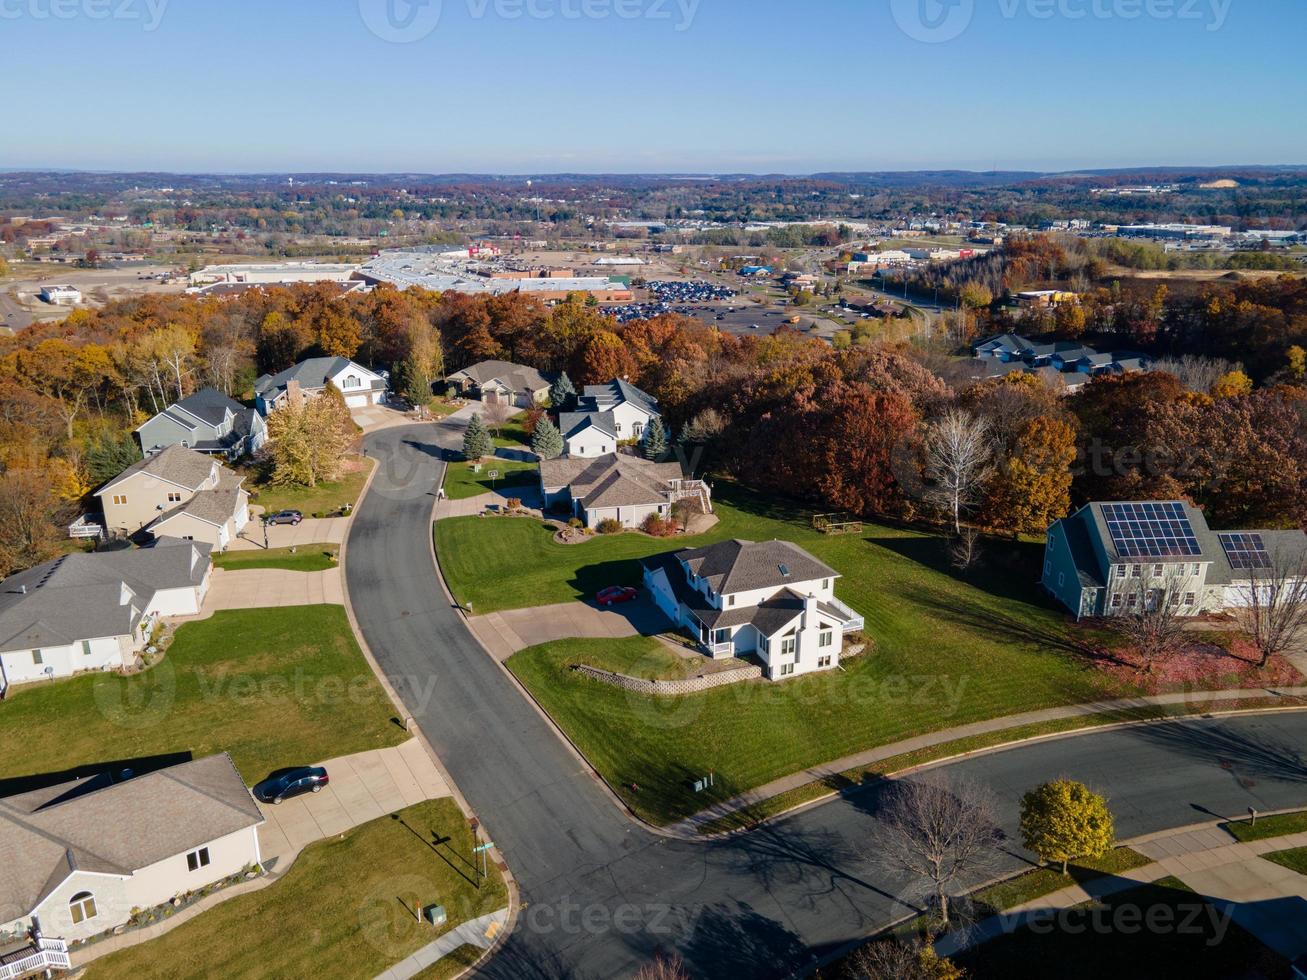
[[1115, 558], [208, 422]]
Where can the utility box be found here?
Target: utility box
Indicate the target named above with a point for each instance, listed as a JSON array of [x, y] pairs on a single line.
[[434, 914]]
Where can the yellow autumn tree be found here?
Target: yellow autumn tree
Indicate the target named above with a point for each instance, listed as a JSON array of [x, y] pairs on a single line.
[[1032, 488], [307, 442], [1232, 385], [1065, 820], [1297, 363]]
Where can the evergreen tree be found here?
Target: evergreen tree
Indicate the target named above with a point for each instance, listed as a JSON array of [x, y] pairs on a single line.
[[655, 439], [547, 441], [415, 384], [476, 440], [108, 456], [561, 393]]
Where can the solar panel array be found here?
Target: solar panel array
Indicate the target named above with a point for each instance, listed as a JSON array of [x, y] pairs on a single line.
[[1153, 530], [1245, 550]]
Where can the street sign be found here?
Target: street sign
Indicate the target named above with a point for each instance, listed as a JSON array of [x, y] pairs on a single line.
[[494, 474], [482, 847]]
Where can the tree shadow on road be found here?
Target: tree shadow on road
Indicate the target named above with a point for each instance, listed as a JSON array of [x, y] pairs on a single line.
[[1247, 757]]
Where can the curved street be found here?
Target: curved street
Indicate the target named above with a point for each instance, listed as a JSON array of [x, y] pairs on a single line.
[[601, 893]]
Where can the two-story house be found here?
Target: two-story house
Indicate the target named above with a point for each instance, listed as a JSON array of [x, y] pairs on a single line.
[[770, 600], [83, 612], [1119, 558], [177, 493], [587, 435], [81, 857], [630, 409], [208, 422], [309, 378]]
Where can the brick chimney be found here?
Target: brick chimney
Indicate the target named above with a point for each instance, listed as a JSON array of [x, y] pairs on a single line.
[[294, 393]]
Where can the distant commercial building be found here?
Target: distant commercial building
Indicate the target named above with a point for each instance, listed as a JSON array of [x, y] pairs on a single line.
[[1175, 232], [278, 272], [439, 272], [61, 295]]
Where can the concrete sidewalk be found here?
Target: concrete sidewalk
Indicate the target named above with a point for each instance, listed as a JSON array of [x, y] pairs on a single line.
[[480, 932], [1264, 898], [690, 825], [506, 632]]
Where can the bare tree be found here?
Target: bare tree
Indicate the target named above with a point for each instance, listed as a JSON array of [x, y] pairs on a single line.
[[940, 833], [663, 968], [1275, 602], [496, 414], [1194, 372], [957, 457], [1151, 610], [898, 959]]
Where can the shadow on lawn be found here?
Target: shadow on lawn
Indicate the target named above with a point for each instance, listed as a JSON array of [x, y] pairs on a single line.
[[1007, 569]]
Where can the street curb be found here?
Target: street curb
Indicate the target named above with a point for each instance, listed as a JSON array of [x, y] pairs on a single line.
[[514, 895]]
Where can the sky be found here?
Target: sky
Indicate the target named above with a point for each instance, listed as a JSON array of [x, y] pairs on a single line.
[[651, 86]]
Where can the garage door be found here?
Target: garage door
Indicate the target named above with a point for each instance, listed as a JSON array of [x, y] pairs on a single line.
[[358, 401]]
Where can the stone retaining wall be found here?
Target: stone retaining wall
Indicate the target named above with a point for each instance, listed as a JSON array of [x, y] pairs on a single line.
[[680, 685]]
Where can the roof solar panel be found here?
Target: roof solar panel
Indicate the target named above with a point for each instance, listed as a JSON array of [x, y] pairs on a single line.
[[1151, 530], [1245, 550]]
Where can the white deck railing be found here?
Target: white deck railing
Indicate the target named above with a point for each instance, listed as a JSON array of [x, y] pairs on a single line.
[[46, 954]]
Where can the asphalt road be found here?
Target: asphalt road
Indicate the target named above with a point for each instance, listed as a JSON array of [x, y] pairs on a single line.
[[602, 894]]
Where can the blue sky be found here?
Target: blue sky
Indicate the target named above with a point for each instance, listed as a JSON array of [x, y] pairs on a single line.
[[514, 86]]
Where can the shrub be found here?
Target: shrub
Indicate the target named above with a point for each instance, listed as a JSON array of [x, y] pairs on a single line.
[[576, 522], [655, 526], [610, 526], [514, 503]]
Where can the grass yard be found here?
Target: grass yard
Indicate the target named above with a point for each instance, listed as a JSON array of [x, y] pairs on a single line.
[[1295, 859], [1266, 827], [324, 498], [948, 651], [304, 558], [1092, 942], [1044, 881], [274, 687], [345, 908], [461, 483]]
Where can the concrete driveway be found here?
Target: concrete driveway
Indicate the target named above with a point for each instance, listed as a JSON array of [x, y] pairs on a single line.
[[505, 633], [263, 588], [363, 787], [325, 530]]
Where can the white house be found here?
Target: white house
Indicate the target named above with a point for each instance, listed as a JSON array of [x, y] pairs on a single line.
[[86, 612], [309, 378], [626, 489], [78, 857], [771, 600], [61, 295], [631, 409], [587, 435]]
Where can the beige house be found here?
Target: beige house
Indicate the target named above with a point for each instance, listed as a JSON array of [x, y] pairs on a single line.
[[502, 383], [623, 488], [177, 493], [78, 857]]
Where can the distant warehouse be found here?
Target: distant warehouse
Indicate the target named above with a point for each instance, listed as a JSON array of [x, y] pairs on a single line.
[[439, 272]]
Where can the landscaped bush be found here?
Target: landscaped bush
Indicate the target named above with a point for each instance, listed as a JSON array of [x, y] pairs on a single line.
[[576, 522], [655, 526], [610, 526], [514, 503]]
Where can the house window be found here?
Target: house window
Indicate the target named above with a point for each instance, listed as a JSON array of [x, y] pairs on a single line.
[[37, 659], [1158, 571], [1061, 579], [185, 444], [730, 600], [120, 499], [823, 661], [1132, 600], [826, 638], [1136, 571], [825, 583], [1116, 600], [789, 645], [1198, 570], [1189, 598], [86, 648], [787, 669], [198, 859], [352, 382], [174, 497], [764, 644], [82, 907], [1048, 568]]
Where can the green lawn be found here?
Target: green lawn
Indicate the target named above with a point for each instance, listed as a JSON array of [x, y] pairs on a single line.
[[274, 687], [304, 558], [1295, 859], [345, 908], [1266, 827], [1044, 881], [324, 498], [947, 652], [1110, 940], [461, 483]]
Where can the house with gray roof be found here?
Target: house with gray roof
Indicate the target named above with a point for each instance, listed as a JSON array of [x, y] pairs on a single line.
[[83, 612], [309, 378], [77, 858], [588, 434], [177, 493], [1120, 557], [208, 422], [631, 409], [503, 383], [618, 487], [768, 600]]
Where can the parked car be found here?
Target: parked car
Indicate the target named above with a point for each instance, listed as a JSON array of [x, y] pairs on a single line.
[[614, 594], [308, 779], [291, 517]]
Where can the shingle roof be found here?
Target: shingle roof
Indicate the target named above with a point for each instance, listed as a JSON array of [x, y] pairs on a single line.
[[742, 566], [211, 405], [79, 596], [571, 423], [117, 828], [517, 376], [312, 375], [612, 480], [176, 464], [596, 398], [215, 507]]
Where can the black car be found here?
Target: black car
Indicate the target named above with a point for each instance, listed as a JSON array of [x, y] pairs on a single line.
[[291, 517], [309, 779]]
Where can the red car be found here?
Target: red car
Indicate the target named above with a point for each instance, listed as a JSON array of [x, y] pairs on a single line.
[[614, 594]]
